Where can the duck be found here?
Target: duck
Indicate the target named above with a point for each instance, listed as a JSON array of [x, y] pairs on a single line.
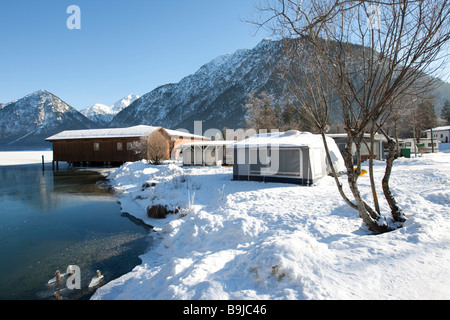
[[96, 280]]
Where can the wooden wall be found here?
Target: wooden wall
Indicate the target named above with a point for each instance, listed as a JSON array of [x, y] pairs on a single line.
[[82, 150]]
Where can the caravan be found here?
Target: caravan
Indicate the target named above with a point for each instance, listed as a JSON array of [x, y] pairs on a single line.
[[292, 157]]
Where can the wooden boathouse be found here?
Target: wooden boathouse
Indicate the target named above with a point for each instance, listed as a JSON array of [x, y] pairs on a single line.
[[115, 146]]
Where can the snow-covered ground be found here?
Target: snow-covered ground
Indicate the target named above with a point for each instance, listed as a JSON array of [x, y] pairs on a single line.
[[24, 157], [253, 240]]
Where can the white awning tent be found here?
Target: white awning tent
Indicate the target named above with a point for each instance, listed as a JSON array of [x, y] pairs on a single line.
[[207, 153], [293, 156]]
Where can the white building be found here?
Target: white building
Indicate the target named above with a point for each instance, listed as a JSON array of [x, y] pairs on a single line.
[[441, 133], [207, 153], [424, 146]]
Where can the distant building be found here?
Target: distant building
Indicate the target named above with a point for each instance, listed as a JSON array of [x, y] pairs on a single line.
[[207, 153], [424, 146], [441, 133], [112, 146], [379, 145]]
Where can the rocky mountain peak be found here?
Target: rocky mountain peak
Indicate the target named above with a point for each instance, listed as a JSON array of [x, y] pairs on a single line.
[[25, 123], [103, 114]]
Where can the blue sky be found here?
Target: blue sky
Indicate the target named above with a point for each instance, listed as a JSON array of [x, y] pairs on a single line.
[[123, 47]]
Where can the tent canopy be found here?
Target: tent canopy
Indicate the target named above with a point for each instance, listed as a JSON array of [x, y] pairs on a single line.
[[295, 139]]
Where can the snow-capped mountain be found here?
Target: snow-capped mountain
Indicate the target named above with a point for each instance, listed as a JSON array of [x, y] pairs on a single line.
[[103, 114], [215, 94], [25, 123], [124, 103]]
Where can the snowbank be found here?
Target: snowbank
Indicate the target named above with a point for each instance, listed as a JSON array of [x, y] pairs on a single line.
[[252, 240], [24, 157]]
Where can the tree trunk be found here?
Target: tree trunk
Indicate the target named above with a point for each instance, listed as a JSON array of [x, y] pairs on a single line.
[[335, 175], [371, 176], [365, 212], [396, 211]]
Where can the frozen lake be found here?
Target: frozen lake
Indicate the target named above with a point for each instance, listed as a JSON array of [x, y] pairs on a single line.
[[50, 220]]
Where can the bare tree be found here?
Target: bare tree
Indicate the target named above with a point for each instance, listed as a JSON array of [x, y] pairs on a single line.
[[261, 113], [367, 55], [157, 148], [141, 147], [264, 113], [425, 117]]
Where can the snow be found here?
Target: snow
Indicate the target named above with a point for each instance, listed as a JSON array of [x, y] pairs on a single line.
[[24, 157], [103, 114], [253, 240], [124, 103], [136, 131], [446, 128], [96, 109]]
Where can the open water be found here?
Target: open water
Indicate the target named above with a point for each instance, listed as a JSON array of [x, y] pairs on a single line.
[[52, 219]]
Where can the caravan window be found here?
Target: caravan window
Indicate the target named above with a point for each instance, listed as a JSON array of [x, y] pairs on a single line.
[[258, 159], [277, 162], [408, 144], [289, 161]]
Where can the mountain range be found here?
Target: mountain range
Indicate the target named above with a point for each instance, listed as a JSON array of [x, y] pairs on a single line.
[[215, 94]]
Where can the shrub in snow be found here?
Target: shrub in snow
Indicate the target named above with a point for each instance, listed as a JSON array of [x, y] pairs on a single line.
[[159, 211]]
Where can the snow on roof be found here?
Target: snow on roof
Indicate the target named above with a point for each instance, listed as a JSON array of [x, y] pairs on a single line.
[[132, 132], [366, 135], [137, 131], [283, 139], [439, 129]]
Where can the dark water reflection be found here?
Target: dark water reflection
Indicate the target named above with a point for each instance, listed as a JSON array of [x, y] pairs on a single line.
[[49, 220]]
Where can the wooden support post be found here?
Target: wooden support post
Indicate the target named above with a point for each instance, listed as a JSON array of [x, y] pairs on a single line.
[[43, 163]]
